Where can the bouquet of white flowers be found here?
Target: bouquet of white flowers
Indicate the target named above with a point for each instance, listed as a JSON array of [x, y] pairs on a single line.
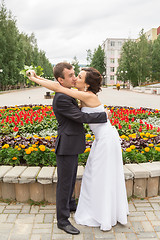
[[38, 70]]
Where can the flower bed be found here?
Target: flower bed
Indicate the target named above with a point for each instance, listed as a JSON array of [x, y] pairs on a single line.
[[28, 135]]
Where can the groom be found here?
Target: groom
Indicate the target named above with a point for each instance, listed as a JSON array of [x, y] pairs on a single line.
[[69, 143]]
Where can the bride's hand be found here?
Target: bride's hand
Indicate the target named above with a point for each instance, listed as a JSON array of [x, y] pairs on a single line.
[[30, 73]]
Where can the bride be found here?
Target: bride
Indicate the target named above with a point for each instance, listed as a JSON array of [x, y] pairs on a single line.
[[103, 200]]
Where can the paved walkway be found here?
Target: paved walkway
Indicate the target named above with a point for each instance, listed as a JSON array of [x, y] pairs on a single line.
[[107, 96], [24, 222]]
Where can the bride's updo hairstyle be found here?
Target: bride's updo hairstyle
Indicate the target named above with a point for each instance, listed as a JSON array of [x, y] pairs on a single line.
[[93, 79]]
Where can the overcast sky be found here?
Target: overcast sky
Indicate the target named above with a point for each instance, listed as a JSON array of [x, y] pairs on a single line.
[[67, 28]]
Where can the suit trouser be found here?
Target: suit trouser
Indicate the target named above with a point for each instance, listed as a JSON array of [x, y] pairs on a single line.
[[66, 171]]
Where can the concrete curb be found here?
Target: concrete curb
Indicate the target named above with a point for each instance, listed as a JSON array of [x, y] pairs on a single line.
[[22, 183]]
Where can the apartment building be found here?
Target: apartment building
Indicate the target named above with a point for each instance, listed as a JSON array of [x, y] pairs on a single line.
[[153, 33], [112, 48]]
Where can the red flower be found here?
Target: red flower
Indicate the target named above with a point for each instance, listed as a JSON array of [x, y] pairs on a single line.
[[140, 129], [119, 126], [15, 129], [129, 126]]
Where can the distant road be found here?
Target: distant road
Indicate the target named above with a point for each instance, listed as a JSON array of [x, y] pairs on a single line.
[[107, 96]]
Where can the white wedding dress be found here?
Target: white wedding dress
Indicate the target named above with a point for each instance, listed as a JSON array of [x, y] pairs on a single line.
[[103, 200]]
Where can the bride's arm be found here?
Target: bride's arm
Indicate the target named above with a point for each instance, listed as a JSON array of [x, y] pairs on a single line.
[[56, 87]]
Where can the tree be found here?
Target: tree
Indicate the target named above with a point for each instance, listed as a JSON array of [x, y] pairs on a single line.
[[156, 60], [136, 61], [98, 60], [89, 57], [75, 64], [16, 50]]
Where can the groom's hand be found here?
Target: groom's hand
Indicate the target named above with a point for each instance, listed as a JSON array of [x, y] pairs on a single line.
[[109, 114]]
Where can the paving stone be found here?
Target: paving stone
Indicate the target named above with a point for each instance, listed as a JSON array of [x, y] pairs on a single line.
[[147, 226], [34, 209], [2, 208], [151, 216], [120, 236], [155, 223], [17, 236], [5, 227], [36, 237], [61, 236], [11, 218], [78, 237], [138, 218], [25, 218], [144, 209], [11, 211], [89, 236], [42, 230], [5, 236], [48, 218], [131, 236], [134, 214], [14, 207], [137, 226], [149, 235], [41, 226], [47, 211], [45, 236], [142, 204], [39, 218], [52, 207], [123, 228], [3, 217], [25, 209], [157, 213], [155, 206], [157, 228], [131, 207]]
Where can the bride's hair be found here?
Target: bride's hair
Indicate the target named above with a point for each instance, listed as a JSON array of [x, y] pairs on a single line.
[[93, 79]]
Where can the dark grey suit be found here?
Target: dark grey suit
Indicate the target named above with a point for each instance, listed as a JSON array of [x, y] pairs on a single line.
[[70, 142]]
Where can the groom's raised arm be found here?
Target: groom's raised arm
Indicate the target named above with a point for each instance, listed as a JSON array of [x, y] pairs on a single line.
[[68, 109]]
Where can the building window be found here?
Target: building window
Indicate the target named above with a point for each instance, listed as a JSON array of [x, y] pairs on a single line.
[[112, 69], [112, 60], [112, 77], [112, 44], [112, 52], [119, 43]]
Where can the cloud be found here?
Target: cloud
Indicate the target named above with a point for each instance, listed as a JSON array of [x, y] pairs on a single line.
[[65, 29]]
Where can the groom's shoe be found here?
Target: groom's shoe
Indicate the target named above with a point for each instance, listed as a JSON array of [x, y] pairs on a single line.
[[69, 229], [73, 209]]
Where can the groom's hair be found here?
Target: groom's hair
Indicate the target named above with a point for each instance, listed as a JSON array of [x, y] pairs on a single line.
[[59, 68]]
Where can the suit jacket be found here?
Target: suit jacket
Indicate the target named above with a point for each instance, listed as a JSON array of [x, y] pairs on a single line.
[[71, 134]]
